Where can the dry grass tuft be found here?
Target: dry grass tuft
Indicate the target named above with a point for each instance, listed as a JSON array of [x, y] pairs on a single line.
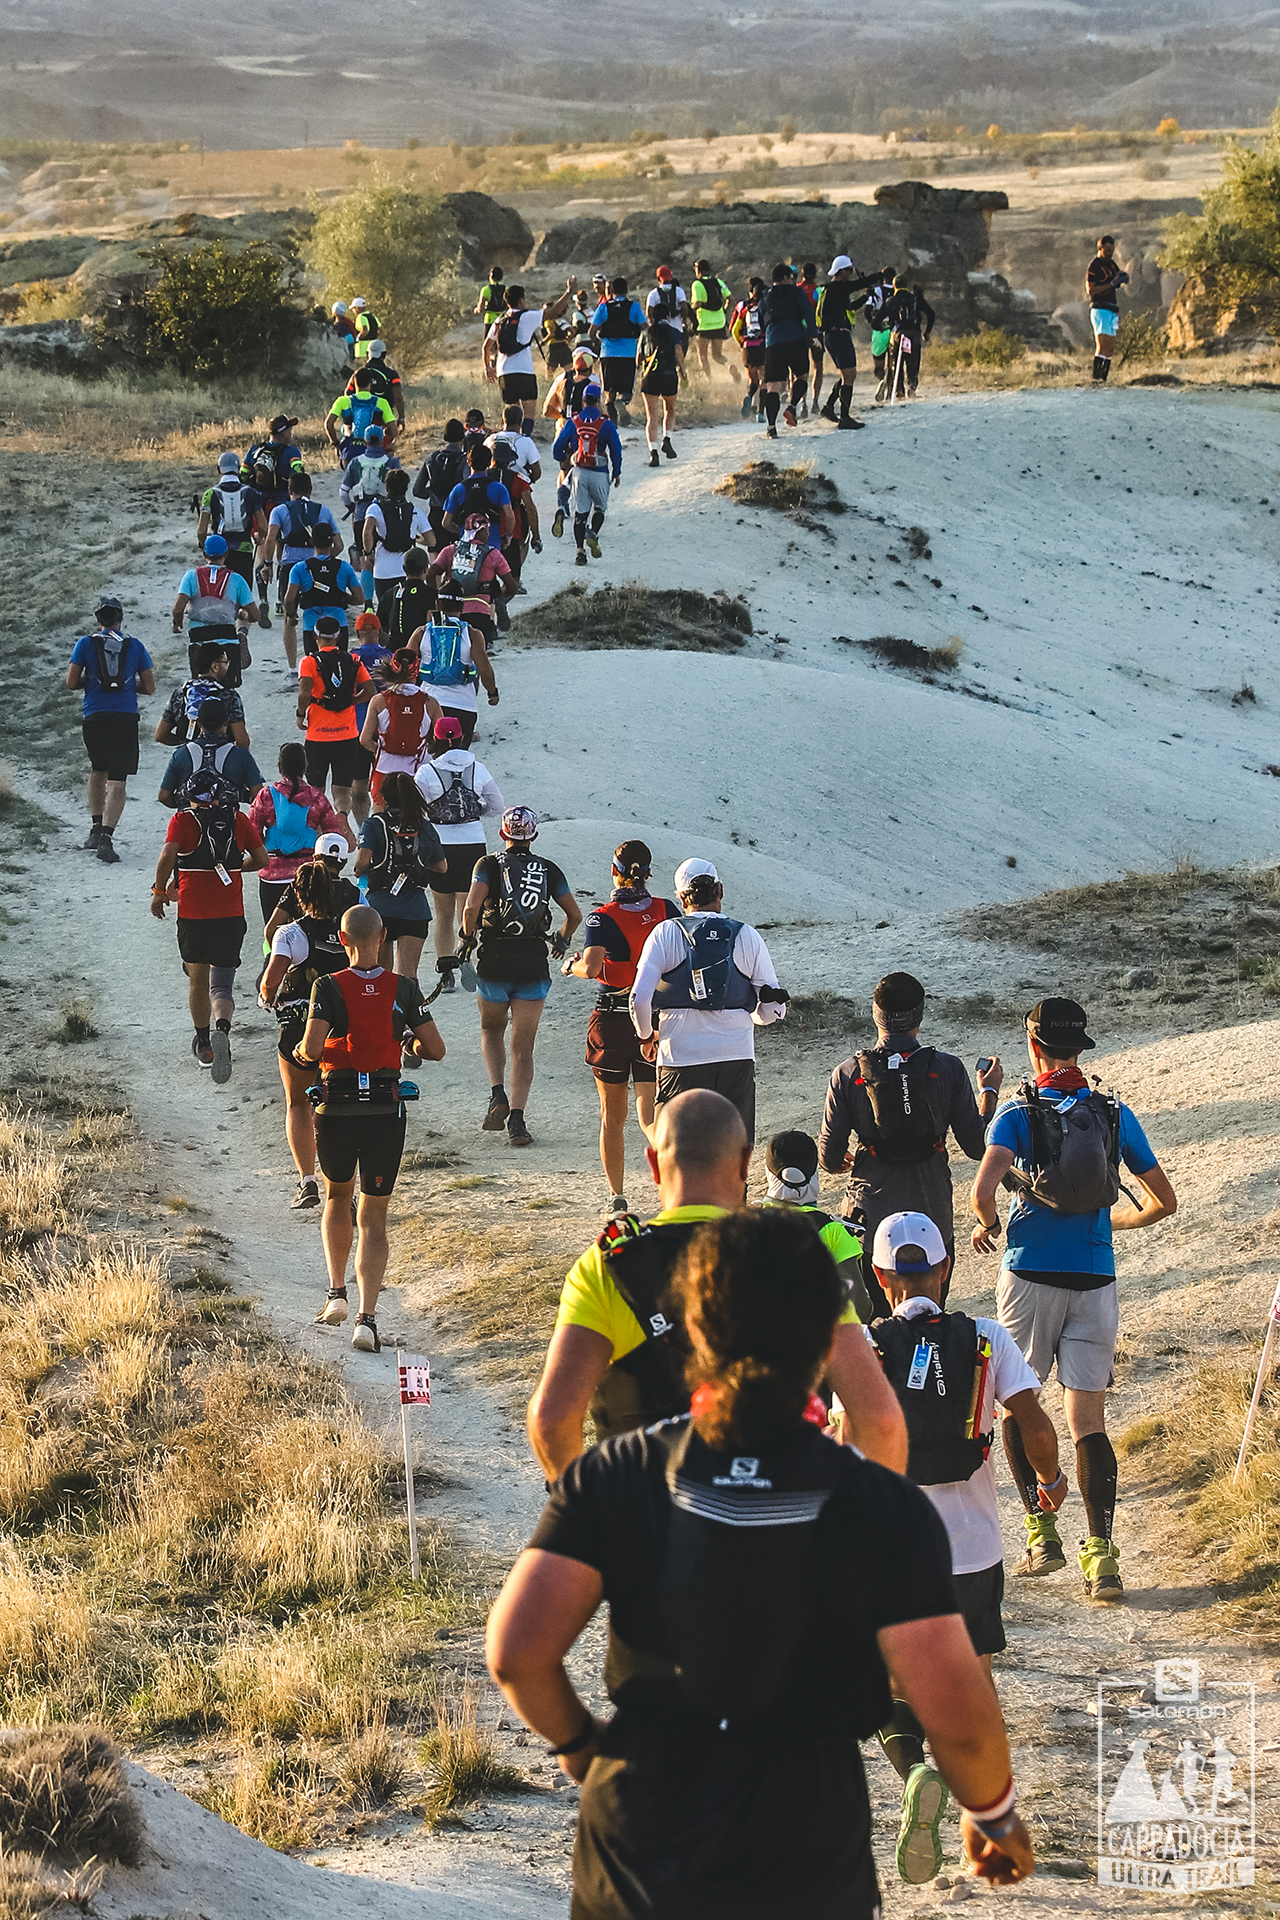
[[799, 489], [27, 1892], [461, 1760], [63, 1790], [76, 1025], [272, 1795], [371, 1766], [676, 620], [910, 654], [34, 1182]]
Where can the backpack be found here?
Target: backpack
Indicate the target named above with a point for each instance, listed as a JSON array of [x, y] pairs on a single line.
[[399, 862], [364, 411], [754, 325], [508, 336], [210, 606], [1075, 1152], [470, 551], [325, 955], [522, 909], [908, 1126], [270, 456], [443, 470], [339, 678], [371, 477], [397, 517], [196, 692], [324, 590], [227, 508], [648, 1383], [588, 439], [406, 709], [304, 518], [291, 830], [113, 679], [447, 668], [209, 754], [618, 324], [907, 317], [937, 1366], [217, 845], [664, 307], [458, 804], [707, 978]]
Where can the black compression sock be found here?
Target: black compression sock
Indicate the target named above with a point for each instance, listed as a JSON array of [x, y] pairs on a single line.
[[1024, 1478], [202, 1035], [772, 401], [498, 1091], [846, 401], [1097, 366], [95, 819], [902, 1738], [799, 388], [597, 521], [579, 530], [1097, 1472], [1106, 367]]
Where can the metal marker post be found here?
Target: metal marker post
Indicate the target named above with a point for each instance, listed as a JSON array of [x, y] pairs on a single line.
[[415, 1391], [1264, 1366]]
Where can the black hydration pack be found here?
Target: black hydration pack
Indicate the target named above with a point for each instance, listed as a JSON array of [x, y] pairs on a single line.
[[338, 671], [901, 1088], [648, 1383], [618, 324], [440, 473], [397, 518], [508, 335], [522, 908], [399, 866], [1075, 1152], [325, 954], [114, 679], [217, 845], [937, 1365]]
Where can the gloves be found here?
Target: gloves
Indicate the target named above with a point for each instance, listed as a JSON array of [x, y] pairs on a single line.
[[466, 947], [559, 945], [778, 995]]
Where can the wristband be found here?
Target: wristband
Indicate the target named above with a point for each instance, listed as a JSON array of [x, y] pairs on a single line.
[[996, 1809], [995, 1226], [584, 1739], [1047, 1486], [999, 1829]]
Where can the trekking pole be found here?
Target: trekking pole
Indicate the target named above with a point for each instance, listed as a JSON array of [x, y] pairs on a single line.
[[1264, 1367], [897, 373], [414, 1373]]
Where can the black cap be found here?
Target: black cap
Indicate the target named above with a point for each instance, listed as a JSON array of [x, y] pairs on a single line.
[[328, 623], [283, 420], [792, 1153], [633, 858], [899, 1000], [108, 604], [1059, 1026]]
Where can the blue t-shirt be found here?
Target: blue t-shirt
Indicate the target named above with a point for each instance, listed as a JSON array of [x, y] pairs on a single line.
[[280, 518], [239, 769], [497, 497], [411, 903], [346, 578], [623, 349], [236, 589], [100, 699], [1040, 1240], [370, 654], [787, 314]]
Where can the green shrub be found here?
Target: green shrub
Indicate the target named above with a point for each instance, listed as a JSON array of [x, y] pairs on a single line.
[[398, 248], [217, 312], [1140, 338], [989, 347]]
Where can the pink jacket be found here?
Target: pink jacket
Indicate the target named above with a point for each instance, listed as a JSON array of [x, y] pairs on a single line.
[[320, 815]]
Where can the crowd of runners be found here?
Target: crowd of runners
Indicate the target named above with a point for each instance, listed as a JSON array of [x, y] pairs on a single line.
[[809, 1594]]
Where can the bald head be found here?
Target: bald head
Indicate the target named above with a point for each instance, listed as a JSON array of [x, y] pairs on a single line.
[[700, 1152], [361, 924]]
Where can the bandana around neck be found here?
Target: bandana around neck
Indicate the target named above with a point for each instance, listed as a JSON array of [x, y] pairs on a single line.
[[1062, 1080]]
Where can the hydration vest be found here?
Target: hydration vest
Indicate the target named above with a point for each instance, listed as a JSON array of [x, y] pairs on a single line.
[[210, 604], [105, 642], [648, 1383], [470, 552], [371, 1044], [753, 325], [304, 518], [217, 845], [937, 1365], [399, 866], [635, 924], [291, 830], [196, 692], [508, 335], [371, 477], [338, 672], [228, 514], [708, 977], [397, 517], [458, 803], [447, 667], [404, 716], [364, 411], [324, 590], [444, 470], [618, 324], [325, 954], [908, 1128], [1075, 1152], [522, 907], [209, 756], [588, 440]]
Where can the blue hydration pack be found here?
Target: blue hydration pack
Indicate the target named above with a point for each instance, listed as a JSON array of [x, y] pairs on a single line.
[[364, 411], [447, 668], [707, 978], [290, 831], [304, 518]]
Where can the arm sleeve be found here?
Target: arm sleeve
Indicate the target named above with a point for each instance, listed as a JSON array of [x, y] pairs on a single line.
[[491, 794], [833, 1138]]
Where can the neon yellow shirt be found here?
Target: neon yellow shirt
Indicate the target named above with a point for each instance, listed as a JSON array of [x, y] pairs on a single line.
[[835, 1236]]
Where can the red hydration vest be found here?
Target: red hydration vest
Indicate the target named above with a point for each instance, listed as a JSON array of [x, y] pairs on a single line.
[[635, 925], [406, 711], [370, 1043], [588, 437]]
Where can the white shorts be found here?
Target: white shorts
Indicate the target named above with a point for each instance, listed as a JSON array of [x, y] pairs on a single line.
[[1102, 320], [589, 490], [1078, 1330]]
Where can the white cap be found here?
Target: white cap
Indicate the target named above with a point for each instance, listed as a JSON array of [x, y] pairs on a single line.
[[339, 306], [690, 870], [910, 1233], [332, 846], [360, 301], [841, 261], [228, 462], [376, 349]]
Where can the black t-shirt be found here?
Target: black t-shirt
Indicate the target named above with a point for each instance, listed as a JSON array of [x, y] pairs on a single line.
[[524, 959], [708, 1821], [343, 894]]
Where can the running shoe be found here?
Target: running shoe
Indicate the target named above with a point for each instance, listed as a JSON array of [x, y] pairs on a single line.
[[522, 588], [827, 413], [496, 1117], [220, 1041], [308, 1194], [1100, 1567], [919, 1850], [467, 973], [772, 432], [849, 422], [580, 558], [617, 1204], [95, 835], [748, 405], [1044, 1547], [107, 849], [201, 1051], [593, 545], [668, 449], [881, 392], [804, 409], [290, 678], [334, 1310], [280, 606], [761, 418], [518, 1135], [789, 415], [264, 618], [364, 1335], [654, 461], [557, 525]]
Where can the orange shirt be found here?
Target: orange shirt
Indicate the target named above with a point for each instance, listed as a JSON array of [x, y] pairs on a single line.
[[313, 672]]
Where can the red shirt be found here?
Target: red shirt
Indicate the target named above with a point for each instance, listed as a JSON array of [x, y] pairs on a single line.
[[201, 894]]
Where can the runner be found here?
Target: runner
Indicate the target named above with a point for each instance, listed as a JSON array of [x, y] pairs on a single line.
[[344, 893], [357, 1024], [970, 1365], [509, 907], [564, 401], [234, 509], [290, 536], [877, 301], [367, 326], [520, 493], [454, 648], [356, 409], [385, 382], [896, 1103], [211, 749], [619, 1351], [912, 320], [660, 365], [398, 849], [412, 602], [458, 793], [616, 327], [390, 529], [222, 607], [209, 843], [302, 951], [324, 587], [364, 480], [398, 721], [1102, 284], [269, 467], [1057, 1291], [807, 284], [329, 681], [508, 347], [839, 304], [482, 490], [184, 703], [747, 328], [287, 816], [791, 1173], [711, 982], [492, 303], [710, 303], [788, 328], [589, 443], [611, 944], [343, 328], [528, 458], [109, 668], [439, 474]]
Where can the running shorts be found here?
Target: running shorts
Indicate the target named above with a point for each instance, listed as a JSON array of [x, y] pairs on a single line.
[[346, 760], [788, 362], [111, 742], [980, 1595], [613, 1051], [559, 356], [735, 1079], [880, 338], [753, 356], [1102, 320], [211, 943], [714, 333], [270, 894], [662, 384], [290, 1036], [618, 374], [372, 1143], [240, 560], [502, 992], [460, 862], [839, 344], [1078, 1330], [517, 386], [389, 763]]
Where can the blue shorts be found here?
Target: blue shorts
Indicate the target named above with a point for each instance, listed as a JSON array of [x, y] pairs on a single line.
[[1102, 320], [503, 992]]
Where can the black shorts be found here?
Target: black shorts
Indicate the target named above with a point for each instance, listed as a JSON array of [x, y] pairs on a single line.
[[373, 1143], [240, 560], [619, 374], [789, 362], [753, 356], [980, 1595], [346, 760], [839, 344], [466, 719], [517, 386], [211, 943], [270, 894], [460, 865], [559, 356], [613, 1051], [401, 927], [290, 1036], [662, 384], [735, 1079], [111, 742], [712, 333]]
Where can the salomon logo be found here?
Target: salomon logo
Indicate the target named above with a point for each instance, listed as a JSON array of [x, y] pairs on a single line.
[[744, 1468], [660, 1324]]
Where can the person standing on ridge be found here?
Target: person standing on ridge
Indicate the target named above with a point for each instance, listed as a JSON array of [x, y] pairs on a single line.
[[109, 668], [1102, 283]]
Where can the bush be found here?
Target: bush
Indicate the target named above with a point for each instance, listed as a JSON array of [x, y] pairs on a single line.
[[399, 249], [1168, 127], [1139, 338], [217, 312], [1239, 230], [989, 347]]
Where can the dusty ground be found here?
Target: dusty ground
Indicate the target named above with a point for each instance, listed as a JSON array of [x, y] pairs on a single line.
[[611, 743]]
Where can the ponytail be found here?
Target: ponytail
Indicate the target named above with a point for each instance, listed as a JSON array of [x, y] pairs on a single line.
[[292, 765], [313, 885], [401, 793]]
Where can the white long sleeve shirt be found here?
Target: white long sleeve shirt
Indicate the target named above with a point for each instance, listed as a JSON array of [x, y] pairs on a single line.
[[433, 780], [688, 1036]]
